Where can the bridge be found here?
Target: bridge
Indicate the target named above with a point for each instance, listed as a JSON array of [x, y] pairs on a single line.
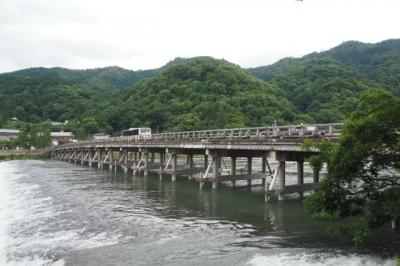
[[209, 156]]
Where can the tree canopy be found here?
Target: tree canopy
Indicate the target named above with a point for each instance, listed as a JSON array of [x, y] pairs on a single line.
[[203, 92], [364, 168]]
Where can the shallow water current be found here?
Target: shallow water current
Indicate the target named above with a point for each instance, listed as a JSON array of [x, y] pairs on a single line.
[[60, 213]]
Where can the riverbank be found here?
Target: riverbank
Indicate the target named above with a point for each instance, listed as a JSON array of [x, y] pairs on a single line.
[[7, 155]]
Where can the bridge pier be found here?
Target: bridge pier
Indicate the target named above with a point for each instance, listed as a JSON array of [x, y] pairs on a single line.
[[249, 169], [99, 158], [111, 158], [214, 171], [282, 173], [205, 161], [146, 163], [191, 165], [233, 170], [90, 157], [174, 164], [162, 157], [263, 169], [300, 176], [126, 158], [81, 153]]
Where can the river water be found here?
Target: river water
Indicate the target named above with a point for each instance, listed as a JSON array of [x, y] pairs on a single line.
[[62, 213]]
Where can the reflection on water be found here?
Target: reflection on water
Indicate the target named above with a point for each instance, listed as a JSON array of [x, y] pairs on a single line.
[[93, 217]]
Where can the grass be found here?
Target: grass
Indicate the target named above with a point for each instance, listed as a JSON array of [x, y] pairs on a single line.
[[7, 156]]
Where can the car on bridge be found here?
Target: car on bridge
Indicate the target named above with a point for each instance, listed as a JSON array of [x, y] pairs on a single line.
[[141, 132], [304, 130]]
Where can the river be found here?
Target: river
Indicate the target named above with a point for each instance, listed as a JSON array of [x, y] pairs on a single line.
[[67, 214]]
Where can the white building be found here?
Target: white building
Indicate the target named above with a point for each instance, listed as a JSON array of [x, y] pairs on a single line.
[[8, 134]]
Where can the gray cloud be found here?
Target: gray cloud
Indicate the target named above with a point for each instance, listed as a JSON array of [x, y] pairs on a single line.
[[147, 34]]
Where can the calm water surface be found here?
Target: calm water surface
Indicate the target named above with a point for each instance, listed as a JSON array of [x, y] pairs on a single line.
[[59, 212]]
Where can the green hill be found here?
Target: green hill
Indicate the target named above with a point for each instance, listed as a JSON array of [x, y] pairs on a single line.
[[57, 94], [105, 79], [326, 85], [201, 93]]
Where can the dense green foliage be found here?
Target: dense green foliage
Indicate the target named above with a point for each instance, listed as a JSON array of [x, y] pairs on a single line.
[[36, 155], [364, 168], [104, 79], [202, 92], [327, 85], [37, 136]]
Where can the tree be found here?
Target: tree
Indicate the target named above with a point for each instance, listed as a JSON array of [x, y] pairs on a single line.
[[364, 168], [37, 136]]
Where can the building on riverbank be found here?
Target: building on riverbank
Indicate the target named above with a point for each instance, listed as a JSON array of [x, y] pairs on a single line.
[[8, 134], [62, 137]]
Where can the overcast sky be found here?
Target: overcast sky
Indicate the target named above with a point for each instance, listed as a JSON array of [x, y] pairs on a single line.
[[149, 33]]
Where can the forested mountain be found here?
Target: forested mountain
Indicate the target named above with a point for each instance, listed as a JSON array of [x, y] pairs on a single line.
[[58, 94], [327, 85], [105, 79], [203, 92], [380, 61]]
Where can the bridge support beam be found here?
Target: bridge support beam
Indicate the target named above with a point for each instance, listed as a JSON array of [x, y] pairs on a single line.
[[191, 165], [146, 163], [162, 155], [300, 175], [100, 159], [214, 172], [263, 168], [282, 173], [233, 170], [110, 152], [249, 169], [90, 157], [205, 161], [126, 157], [174, 164], [81, 155]]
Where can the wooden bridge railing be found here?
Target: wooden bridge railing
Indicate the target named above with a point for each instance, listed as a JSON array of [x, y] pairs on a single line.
[[288, 131]]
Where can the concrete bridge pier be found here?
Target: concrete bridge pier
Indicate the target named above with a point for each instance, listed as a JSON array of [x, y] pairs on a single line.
[[174, 164], [282, 173], [191, 165], [81, 155], [100, 158], [146, 163], [135, 156], [233, 170], [263, 169], [162, 156], [300, 176], [249, 169], [90, 157], [111, 158], [126, 157], [214, 171]]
